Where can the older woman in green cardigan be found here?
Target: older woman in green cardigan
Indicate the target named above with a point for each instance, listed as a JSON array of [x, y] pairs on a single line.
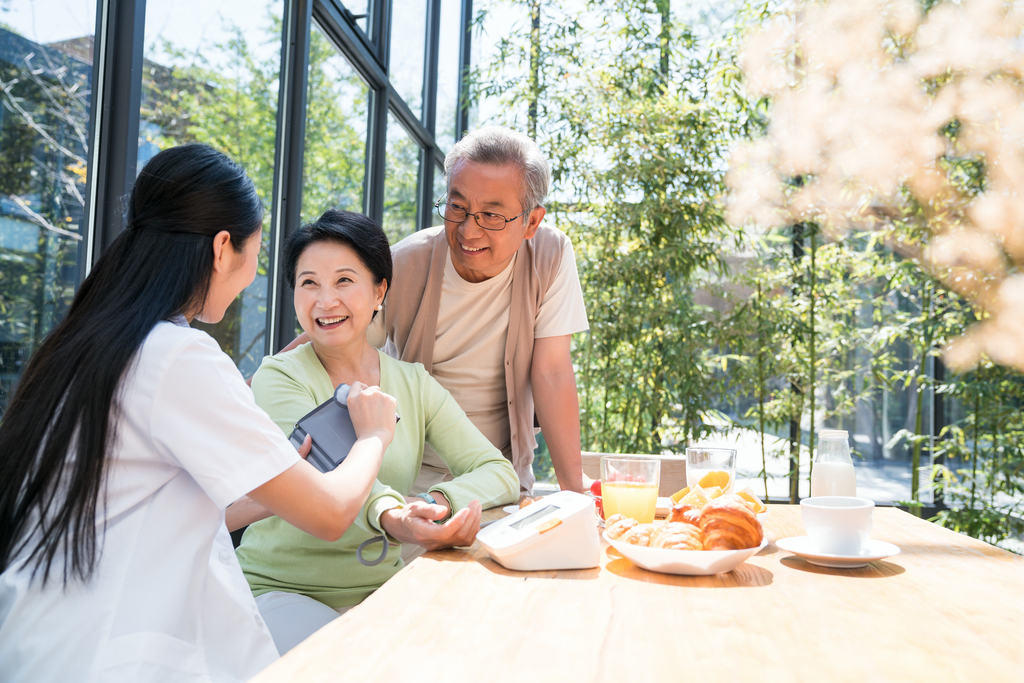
[[340, 267]]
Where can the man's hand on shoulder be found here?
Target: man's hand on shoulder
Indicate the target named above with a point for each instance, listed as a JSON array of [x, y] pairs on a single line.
[[296, 343]]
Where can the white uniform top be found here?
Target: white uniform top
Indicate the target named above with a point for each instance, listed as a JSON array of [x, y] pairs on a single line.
[[167, 600]]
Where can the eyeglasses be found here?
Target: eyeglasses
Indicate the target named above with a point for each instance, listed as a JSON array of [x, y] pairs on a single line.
[[485, 219]]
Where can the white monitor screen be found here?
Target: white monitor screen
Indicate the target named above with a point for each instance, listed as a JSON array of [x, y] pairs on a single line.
[[543, 513]]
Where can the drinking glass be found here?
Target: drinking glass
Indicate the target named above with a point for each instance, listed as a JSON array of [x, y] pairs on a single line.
[[710, 467], [629, 487]]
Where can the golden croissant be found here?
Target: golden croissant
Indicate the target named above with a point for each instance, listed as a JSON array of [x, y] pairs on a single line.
[[639, 535], [617, 525], [684, 513], [677, 536], [728, 524]]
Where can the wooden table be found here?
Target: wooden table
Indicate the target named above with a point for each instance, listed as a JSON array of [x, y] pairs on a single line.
[[948, 608]]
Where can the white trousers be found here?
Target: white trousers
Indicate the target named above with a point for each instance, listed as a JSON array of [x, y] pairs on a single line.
[[293, 617]]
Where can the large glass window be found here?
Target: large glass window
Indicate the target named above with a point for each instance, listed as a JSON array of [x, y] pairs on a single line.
[[334, 165], [496, 21], [400, 181], [408, 40], [449, 74], [45, 70], [210, 74]]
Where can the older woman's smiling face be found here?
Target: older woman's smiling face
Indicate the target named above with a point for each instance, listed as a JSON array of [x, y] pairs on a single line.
[[335, 295]]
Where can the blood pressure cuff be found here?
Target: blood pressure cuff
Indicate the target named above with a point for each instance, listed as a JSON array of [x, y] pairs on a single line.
[[333, 435]]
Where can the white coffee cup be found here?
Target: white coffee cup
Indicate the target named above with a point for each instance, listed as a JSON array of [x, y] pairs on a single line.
[[837, 525]]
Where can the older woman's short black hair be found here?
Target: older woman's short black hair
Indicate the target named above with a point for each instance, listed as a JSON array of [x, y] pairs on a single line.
[[364, 235]]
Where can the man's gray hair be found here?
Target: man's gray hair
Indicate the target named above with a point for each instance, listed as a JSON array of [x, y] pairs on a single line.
[[498, 146]]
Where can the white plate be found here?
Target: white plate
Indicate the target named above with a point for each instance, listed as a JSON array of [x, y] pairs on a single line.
[[806, 548], [509, 509], [684, 562], [664, 506]]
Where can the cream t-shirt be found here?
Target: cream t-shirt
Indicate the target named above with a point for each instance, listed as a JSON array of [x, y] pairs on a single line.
[[469, 347]]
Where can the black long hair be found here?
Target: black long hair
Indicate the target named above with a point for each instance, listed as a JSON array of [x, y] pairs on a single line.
[[360, 232], [62, 418]]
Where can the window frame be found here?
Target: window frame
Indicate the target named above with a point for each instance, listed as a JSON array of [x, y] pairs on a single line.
[[117, 91]]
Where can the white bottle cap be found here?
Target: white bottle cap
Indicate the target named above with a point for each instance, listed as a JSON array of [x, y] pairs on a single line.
[[833, 434]]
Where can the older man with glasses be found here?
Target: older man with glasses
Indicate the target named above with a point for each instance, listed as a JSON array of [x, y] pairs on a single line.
[[488, 303]]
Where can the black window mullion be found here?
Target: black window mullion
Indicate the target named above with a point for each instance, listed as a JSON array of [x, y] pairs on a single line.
[[409, 119], [350, 43], [426, 188], [376, 145], [289, 149], [376, 157], [430, 59], [381, 31], [465, 43], [114, 119], [938, 424]]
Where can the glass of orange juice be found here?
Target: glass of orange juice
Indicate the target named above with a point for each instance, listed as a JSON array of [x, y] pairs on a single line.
[[710, 467], [629, 487]]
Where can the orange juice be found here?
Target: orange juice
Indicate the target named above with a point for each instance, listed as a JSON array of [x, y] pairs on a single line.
[[630, 499]]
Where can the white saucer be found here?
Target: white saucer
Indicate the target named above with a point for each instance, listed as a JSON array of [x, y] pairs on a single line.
[[807, 549]]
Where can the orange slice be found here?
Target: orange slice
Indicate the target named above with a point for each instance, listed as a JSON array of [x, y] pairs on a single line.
[[713, 492], [754, 501], [678, 495], [715, 478], [696, 497]]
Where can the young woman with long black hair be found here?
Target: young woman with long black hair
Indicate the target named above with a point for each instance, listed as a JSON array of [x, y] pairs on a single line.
[[128, 436]]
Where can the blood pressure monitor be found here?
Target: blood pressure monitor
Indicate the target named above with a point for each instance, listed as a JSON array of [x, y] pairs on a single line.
[[557, 532]]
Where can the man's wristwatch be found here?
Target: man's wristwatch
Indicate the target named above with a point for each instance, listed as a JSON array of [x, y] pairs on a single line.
[[433, 501], [427, 497]]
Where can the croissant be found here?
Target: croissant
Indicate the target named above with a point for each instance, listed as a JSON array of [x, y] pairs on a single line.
[[729, 525], [617, 525], [677, 536], [684, 513], [738, 500], [639, 535]]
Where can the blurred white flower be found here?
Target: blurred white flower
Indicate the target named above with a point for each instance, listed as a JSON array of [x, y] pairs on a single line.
[[863, 94]]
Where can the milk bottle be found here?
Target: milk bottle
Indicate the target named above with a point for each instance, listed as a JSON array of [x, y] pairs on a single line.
[[832, 473]]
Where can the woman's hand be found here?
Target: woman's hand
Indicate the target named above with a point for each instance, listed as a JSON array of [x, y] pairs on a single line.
[[415, 524], [373, 412], [306, 447]]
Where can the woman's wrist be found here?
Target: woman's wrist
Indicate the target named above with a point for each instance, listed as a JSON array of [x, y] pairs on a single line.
[[385, 436]]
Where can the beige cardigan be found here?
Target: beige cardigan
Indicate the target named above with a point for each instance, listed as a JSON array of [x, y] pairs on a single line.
[[413, 302]]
